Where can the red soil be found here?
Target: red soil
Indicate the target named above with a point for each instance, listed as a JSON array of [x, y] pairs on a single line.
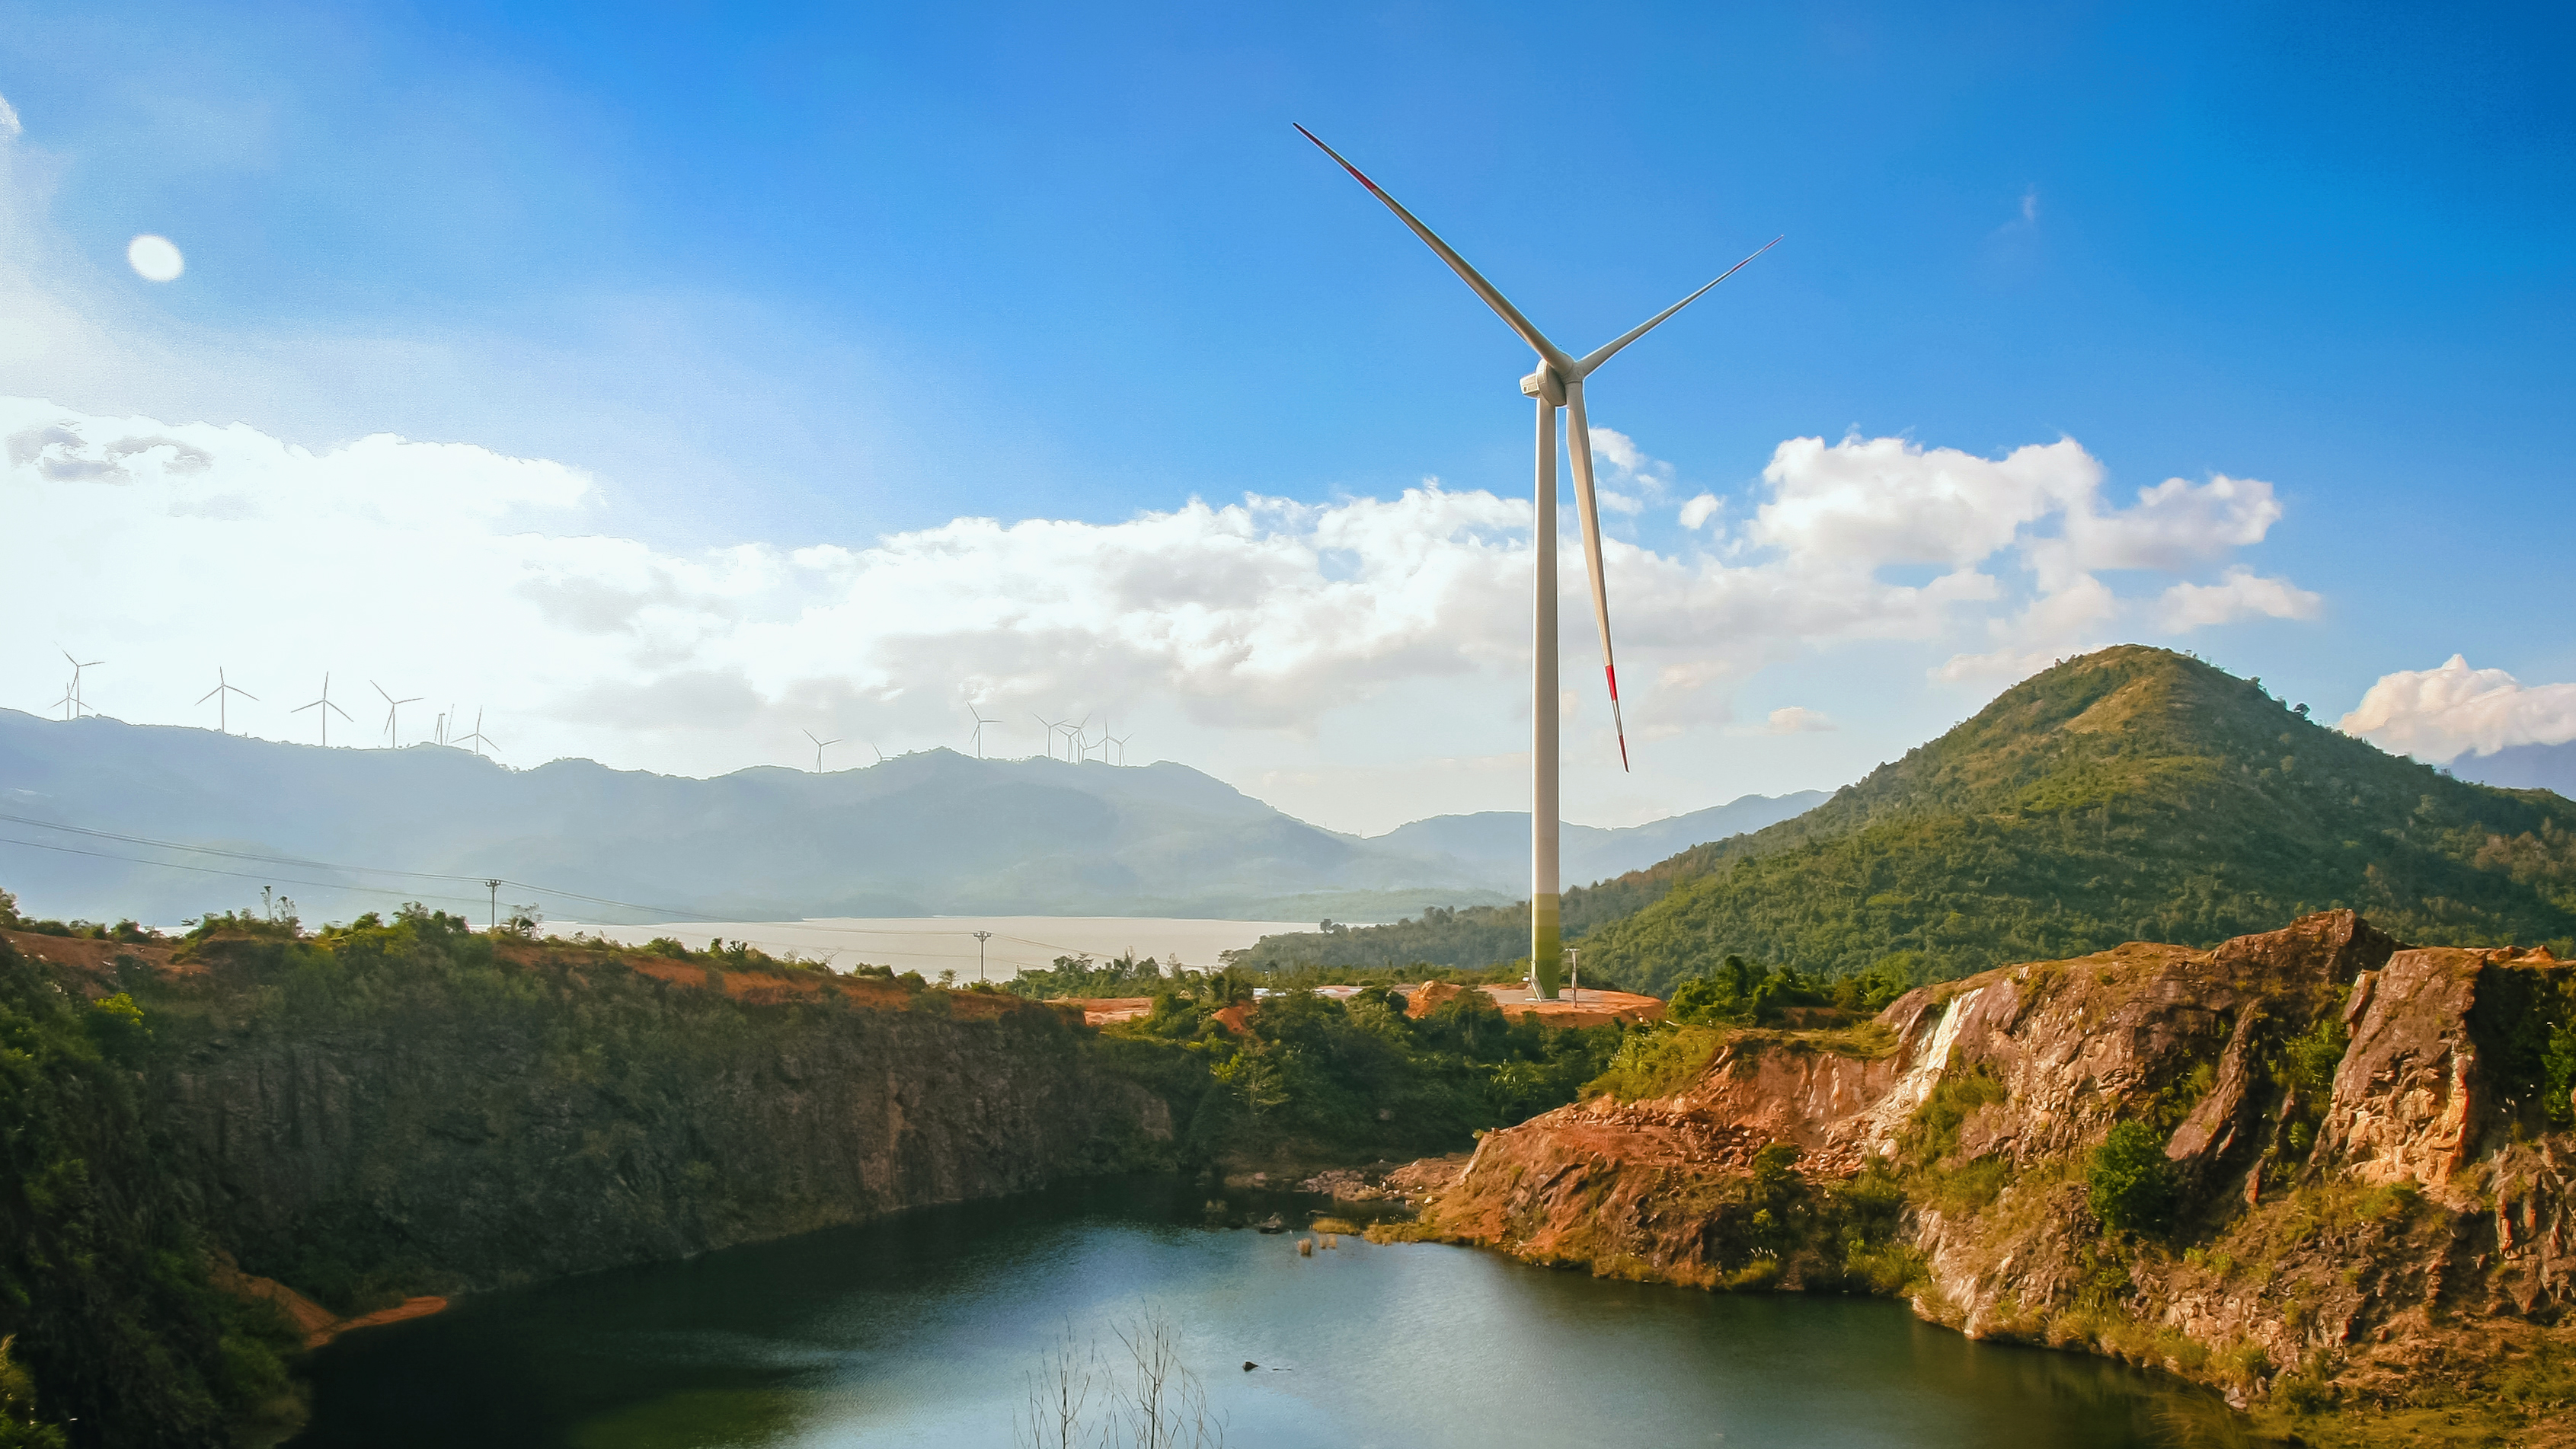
[[1587, 1008]]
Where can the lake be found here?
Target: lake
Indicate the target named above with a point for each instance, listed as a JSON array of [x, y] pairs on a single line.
[[932, 944], [926, 1329]]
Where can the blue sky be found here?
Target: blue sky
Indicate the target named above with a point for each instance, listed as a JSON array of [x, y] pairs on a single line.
[[814, 278]]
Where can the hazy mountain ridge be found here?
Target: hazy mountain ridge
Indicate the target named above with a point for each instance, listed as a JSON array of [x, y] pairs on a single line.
[[2134, 793], [928, 833], [921, 834], [1497, 842], [2523, 767]]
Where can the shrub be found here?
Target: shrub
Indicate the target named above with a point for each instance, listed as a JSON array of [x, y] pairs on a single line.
[[2133, 1186]]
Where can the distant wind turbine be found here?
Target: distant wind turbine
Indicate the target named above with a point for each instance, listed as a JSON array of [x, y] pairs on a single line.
[[327, 709], [1121, 742], [1558, 383], [1052, 725], [980, 722], [478, 739], [818, 750], [221, 694], [79, 706], [1073, 740], [393, 707]]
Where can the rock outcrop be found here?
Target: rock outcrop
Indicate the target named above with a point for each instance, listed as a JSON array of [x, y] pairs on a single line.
[[2363, 1191], [445, 1131]]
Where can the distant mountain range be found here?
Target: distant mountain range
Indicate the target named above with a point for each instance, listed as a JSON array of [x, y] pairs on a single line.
[[2523, 767], [2132, 794], [1494, 845], [171, 822]]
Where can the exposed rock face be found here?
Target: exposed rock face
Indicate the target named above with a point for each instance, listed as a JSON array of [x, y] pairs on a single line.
[[454, 1147], [2336, 1237]]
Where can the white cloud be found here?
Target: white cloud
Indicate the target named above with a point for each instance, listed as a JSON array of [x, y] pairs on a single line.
[[1797, 719], [2440, 714], [9, 127], [1701, 509], [2239, 594], [1329, 631]]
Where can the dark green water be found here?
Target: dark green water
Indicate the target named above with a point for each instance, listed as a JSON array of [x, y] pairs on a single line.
[[922, 1331]]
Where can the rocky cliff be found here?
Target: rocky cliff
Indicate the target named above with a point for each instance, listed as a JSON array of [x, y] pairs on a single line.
[[411, 1108], [2313, 1168]]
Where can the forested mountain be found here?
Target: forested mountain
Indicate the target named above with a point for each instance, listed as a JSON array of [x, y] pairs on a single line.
[[2133, 793]]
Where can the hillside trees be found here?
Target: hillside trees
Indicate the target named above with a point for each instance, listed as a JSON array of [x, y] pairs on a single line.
[[2132, 794]]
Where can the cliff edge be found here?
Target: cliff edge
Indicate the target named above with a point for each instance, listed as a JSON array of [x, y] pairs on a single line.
[[2321, 1171]]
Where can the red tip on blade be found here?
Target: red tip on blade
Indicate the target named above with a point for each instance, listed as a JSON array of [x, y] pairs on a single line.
[[1337, 160], [1618, 721]]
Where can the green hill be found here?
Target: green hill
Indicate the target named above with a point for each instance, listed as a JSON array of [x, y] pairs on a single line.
[[2132, 794]]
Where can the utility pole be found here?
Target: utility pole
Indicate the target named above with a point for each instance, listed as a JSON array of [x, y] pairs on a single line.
[[1574, 964], [980, 938], [495, 887]]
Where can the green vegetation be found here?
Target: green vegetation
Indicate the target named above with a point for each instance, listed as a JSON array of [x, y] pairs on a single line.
[[2529, 1017], [2130, 1184], [128, 931], [20, 1426], [2133, 794], [1308, 1075], [104, 1285], [1657, 1063]]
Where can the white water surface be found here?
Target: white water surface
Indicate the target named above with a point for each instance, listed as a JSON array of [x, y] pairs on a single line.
[[932, 944]]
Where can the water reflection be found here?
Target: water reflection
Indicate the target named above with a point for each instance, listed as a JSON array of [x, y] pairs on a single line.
[[921, 1330]]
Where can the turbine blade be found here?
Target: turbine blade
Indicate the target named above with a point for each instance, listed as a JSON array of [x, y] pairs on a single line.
[[1548, 351], [211, 693], [1578, 439], [1584, 368]]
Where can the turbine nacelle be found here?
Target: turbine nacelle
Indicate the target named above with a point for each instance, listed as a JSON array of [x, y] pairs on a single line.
[[1545, 384]]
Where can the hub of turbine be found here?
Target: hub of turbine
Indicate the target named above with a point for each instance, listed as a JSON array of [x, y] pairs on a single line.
[[1545, 383]]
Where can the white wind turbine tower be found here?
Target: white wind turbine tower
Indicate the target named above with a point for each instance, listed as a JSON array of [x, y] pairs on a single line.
[[1073, 740], [1557, 383], [1120, 741], [221, 694], [393, 707], [327, 708], [818, 750], [1052, 726], [980, 722], [478, 739]]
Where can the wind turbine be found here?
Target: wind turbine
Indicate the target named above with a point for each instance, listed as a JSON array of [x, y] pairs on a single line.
[[1121, 742], [393, 707], [818, 750], [980, 722], [478, 739], [328, 709], [1072, 740], [1558, 382], [1052, 725], [222, 694], [79, 706]]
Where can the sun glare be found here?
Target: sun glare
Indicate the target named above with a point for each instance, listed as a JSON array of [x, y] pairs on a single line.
[[155, 258]]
